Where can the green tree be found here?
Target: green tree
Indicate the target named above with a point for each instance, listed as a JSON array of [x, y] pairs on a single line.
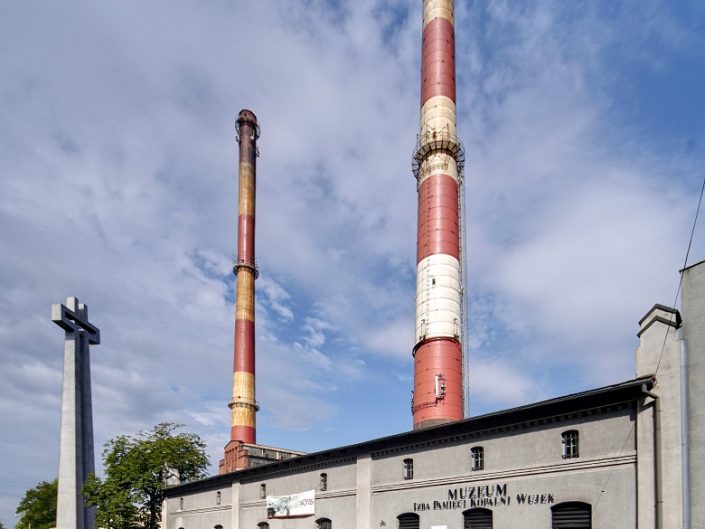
[[136, 468], [37, 509]]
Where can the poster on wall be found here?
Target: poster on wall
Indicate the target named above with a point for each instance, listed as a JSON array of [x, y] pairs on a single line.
[[292, 506]]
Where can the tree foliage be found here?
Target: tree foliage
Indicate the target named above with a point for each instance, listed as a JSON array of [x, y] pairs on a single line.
[[37, 509], [136, 468]]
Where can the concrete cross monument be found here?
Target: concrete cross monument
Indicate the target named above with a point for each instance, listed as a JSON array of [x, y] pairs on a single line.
[[76, 459]]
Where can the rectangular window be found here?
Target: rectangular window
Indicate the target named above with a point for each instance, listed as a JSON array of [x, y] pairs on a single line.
[[477, 453], [262, 491], [570, 440], [324, 481], [408, 469]]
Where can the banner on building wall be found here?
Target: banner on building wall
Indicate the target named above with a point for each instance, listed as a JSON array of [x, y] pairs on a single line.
[[292, 506]]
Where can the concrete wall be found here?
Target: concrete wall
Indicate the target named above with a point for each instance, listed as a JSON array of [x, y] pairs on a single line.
[[613, 508], [341, 477], [525, 463], [339, 509], [200, 510], [606, 435], [337, 502]]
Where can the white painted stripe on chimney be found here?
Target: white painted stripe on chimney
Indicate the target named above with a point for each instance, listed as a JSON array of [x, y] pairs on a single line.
[[438, 114], [437, 8], [438, 163], [438, 297]]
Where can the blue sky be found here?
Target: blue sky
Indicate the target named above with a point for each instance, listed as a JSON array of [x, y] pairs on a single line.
[[582, 124]]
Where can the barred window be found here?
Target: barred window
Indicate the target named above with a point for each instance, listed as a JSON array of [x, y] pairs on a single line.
[[477, 453], [408, 520], [181, 504], [477, 519], [217, 498], [408, 469], [571, 515], [263, 525], [323, 482], [323, 523], [262, 491], [570, 440]]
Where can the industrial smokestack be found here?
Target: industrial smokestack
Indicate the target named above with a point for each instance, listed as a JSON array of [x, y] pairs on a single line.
[[243, 405], [438, 164], [242, 451]]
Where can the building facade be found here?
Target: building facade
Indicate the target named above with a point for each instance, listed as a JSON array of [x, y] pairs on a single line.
[[623, 456]]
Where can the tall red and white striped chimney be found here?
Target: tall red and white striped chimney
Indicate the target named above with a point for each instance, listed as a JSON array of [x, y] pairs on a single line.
[[438, 164]]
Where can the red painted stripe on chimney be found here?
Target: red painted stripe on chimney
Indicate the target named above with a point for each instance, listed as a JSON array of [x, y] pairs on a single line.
[[438, 60], [438, 231]]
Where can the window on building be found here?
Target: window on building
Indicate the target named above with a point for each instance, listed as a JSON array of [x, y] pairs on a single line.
[[323, 523], [263, 525], [181, 504], [571, 515], [408, 520], [408, 469], [218, 526], [217, 498], [262, 491], [477, 519], [570, 440], [323, 482], [477, 453]]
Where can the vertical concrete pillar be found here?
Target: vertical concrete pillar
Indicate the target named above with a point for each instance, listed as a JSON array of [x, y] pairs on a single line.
[[235, 507], [363, 497], [164, 521], [693, 305]]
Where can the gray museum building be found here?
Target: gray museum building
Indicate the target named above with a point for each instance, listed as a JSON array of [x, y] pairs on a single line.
[[629, 455]]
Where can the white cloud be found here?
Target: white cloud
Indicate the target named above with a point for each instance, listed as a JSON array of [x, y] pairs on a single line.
[[277, 297], [118, 177], [501, 385]]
